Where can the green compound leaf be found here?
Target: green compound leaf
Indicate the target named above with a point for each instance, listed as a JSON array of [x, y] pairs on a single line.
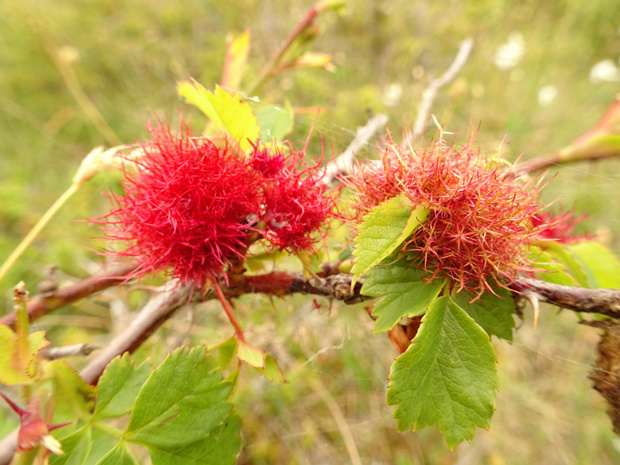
[[493, 313], [404, 292], [384, 229], [446, 377], [119, 386], [600, 265], [182, 408]]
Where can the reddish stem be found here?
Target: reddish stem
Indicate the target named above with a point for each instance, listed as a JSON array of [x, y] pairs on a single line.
[[228, 310]]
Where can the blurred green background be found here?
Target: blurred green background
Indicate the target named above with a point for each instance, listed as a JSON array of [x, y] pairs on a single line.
[[82, 73]]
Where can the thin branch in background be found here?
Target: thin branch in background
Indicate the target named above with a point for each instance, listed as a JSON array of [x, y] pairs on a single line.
[[344, 162], [77, 350], [270, 66], [429, 95], [157, 311]]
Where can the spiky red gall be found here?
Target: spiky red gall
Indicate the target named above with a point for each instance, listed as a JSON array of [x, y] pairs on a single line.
[[189, 206], [480, 222], [194, 207], [296, 203]]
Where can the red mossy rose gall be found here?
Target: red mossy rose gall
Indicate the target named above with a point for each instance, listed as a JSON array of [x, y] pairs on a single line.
[[480, 220], [295, 198], [193, 206]]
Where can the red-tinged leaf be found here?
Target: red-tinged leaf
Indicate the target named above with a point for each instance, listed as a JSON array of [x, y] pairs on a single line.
[[237, 52]]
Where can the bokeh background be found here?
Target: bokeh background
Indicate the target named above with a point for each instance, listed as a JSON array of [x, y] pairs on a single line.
[[82, 73]]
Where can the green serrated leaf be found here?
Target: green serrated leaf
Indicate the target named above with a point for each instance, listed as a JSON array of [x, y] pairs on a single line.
[[183, 401], [555, 272], [404, 292], [492, 313], [229, 112], [220, 448], [119, 386], [384, 229], [447, 376], [224, 353], [275, 122], [600, 265], [120, 455]]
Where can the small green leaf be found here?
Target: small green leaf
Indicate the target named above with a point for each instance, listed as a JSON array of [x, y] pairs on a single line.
[[600, 265], [251, 355], [224, 353], [275, 122], [182, 402], [119, 386], [404, 292], [382, 231], [446, 377], [493, 313], [17, 368], [229, 112]]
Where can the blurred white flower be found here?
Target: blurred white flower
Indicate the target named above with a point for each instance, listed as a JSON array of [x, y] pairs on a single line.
[[546, 95], [392, 94], [509, 54], [604, 71]]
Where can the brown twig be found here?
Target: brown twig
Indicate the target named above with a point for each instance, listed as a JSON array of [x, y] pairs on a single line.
[[158, 309], [45, 303], [76, 350]]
